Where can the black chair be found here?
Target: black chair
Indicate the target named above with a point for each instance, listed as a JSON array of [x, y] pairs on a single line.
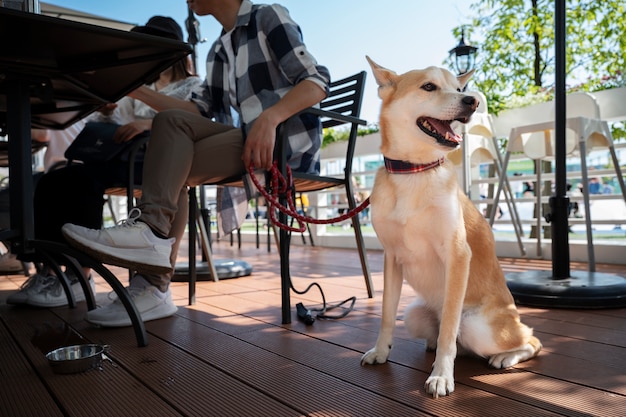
[[341, 107], [131, 190]]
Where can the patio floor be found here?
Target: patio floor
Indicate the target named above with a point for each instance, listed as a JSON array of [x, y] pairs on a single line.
[[229, 355]]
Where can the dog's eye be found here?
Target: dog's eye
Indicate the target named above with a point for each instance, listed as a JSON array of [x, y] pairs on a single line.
[[429, 87]]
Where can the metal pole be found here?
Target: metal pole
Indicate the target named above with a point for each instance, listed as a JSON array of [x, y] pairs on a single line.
[[560, 201]]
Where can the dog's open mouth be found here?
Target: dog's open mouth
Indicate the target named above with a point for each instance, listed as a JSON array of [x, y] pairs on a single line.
[[440, 130]]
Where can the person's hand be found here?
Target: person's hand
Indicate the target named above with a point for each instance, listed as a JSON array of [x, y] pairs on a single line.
[[259, 146], [128, 131]]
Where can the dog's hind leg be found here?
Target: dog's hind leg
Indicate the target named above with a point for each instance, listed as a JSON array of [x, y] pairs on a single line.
[[422, 323], [503, 339], [513, 357], [391, 297]]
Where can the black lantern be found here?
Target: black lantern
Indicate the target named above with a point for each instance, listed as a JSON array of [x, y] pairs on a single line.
[[464, 55]]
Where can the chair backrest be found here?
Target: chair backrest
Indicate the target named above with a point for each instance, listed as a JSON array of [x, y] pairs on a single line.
[[577, 105], [612, 103], [580, 105], [345, 98], [538, 145], [342, 106]]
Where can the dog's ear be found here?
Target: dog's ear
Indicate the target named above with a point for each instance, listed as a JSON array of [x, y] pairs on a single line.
[[464, 79], [384, 78]]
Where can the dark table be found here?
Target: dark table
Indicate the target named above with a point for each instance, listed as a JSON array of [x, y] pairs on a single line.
[[54, 72]]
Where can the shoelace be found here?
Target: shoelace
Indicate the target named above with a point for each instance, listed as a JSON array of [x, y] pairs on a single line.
[[52, 285], [40, 283], [131, 221], [132, 291], [32, 281]]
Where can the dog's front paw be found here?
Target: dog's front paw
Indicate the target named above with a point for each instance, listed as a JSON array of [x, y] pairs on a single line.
[[439, 386], [374, 356]]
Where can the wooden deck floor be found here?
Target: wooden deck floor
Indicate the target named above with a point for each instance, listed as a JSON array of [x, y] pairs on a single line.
[[229, 355]]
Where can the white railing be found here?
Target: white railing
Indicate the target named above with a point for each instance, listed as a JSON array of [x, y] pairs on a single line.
[[608, 212]]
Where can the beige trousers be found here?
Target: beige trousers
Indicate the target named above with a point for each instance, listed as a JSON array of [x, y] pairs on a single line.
[[185, 149]]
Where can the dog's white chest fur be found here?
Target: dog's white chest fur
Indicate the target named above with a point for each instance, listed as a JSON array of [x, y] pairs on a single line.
[[415, 221]]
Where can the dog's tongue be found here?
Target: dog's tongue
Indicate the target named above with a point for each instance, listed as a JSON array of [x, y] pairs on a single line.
[[444, 129]]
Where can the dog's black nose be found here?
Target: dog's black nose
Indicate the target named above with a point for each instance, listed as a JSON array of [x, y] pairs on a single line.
[[471, 101]]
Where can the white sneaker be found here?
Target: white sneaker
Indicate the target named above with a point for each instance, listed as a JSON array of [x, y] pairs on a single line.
[[130, 244], [46, 291], [149, 302], [33, 284]]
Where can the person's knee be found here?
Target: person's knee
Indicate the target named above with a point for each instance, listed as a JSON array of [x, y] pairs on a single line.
[[171, 125], [172, 118]]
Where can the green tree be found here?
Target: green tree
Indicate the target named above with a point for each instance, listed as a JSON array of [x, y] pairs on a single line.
[[516, 61], [516, 56]]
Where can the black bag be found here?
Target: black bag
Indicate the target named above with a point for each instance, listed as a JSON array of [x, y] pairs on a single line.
[[95, 144]]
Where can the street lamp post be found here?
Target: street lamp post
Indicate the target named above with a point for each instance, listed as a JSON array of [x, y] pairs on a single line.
[[464, 56]]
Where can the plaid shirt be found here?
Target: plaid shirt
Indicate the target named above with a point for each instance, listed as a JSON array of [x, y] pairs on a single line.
[[270, 58]]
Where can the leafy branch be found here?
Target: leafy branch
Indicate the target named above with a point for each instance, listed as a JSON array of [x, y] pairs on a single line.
[[341, 135]]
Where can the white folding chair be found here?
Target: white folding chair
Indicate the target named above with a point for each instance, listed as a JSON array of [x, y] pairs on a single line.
[[532, 131]]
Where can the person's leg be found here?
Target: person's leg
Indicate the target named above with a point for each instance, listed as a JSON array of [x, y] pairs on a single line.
[[184, 150], [183, 147], [68, 194], [150, 292], [216, 156], [177, 231], [73, 194]]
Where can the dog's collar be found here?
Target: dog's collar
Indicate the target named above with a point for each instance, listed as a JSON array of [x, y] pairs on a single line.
[[395, 166]]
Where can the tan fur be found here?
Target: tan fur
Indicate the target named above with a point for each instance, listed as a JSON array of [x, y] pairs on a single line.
[[436, 240]]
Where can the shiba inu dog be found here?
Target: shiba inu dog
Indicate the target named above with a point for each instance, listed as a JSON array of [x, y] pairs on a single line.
[[434, 237]]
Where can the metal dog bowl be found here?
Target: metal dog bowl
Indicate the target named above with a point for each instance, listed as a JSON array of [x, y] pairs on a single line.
[[77, 358]]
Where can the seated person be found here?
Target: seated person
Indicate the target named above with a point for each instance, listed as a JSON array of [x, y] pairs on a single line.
[[56, 141], [75, 193], [259, 73]]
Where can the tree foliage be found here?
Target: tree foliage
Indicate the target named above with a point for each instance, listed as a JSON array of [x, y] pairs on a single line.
[[515, 60], [343, 134]]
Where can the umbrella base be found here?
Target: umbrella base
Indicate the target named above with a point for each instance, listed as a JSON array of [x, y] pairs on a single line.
[[581, 290]]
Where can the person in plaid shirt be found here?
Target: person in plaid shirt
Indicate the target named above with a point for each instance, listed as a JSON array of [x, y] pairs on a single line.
[[259, 74]]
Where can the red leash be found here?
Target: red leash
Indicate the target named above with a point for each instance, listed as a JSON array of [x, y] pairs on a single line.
[[280, 184]]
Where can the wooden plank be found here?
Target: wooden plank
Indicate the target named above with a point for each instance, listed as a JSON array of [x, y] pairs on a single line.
[[22, 392], [402, 383], [345, 365], [217, 371], [229, 354], [109, 391]]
